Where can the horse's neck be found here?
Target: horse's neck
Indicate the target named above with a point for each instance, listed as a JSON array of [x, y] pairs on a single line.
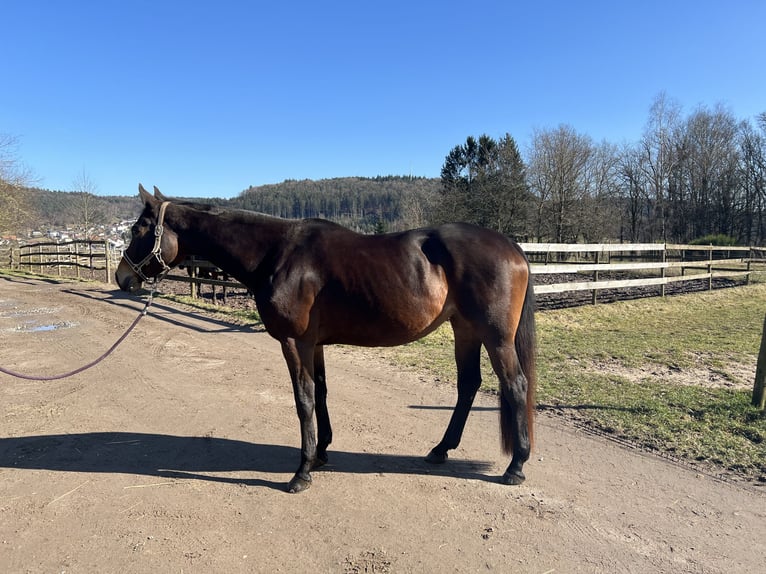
[[237, 243]]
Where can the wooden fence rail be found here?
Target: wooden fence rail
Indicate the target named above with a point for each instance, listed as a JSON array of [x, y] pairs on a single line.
[[670, 263], [55, 257], [592, 266]]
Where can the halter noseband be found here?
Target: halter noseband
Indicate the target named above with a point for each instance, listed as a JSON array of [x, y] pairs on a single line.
[[155, 253]]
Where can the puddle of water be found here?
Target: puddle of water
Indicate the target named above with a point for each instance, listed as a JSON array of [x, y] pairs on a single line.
[[35, 327], [44, 328]]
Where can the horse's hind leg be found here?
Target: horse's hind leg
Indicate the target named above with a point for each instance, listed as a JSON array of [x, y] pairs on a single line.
[[324, 430], [467, 357], [514, 420]]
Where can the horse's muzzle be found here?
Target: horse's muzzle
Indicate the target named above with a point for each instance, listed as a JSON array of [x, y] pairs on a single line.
[[126, 278]]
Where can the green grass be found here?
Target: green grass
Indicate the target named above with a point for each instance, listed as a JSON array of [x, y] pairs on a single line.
[[588, 358]]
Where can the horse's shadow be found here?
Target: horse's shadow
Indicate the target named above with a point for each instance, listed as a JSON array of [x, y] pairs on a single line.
[[169, 313], [181, 457]]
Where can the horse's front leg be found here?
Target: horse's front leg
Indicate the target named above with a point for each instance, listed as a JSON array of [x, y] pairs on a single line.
[[300, 362]]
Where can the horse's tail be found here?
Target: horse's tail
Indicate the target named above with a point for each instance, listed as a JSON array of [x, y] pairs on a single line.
[[526, 351]]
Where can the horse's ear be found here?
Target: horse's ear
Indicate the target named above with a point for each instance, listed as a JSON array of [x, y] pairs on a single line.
[[159, 195], [145, 196]]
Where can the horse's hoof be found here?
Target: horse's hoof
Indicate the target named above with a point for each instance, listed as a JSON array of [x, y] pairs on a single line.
[[513, 478], [298, 484], [435, 457]]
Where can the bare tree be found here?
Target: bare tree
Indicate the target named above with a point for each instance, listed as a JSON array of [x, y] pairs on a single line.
[[660, 157], [707, 175], [88, 209], [752, 181], [416, 208], [14, 180], [599, 218], [632, 178], [558, 169]]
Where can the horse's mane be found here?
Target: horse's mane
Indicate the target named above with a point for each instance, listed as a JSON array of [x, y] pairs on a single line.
[[250, 215], [206, 207], [221, 210]]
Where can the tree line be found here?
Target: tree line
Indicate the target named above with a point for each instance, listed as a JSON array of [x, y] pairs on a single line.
[[688, 177]]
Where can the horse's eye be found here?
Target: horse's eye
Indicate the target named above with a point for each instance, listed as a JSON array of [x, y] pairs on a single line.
[[135, 231]]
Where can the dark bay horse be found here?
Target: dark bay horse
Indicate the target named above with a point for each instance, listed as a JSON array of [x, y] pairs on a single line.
[[316, 283]]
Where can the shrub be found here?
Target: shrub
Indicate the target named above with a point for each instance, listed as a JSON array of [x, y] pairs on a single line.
[[719, 239]]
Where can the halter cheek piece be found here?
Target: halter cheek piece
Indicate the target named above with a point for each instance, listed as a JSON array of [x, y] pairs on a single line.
[[155, 253]]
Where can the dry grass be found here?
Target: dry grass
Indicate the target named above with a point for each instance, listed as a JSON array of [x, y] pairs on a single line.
[[674, 375]]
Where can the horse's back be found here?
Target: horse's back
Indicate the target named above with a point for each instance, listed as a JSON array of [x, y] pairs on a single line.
[[470, 252]]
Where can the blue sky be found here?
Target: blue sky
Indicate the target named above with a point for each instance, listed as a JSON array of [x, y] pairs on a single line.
[[207, 98]]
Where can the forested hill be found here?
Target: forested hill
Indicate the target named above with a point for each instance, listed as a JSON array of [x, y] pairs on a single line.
[[364, 203], [44, 208], [369, 204]]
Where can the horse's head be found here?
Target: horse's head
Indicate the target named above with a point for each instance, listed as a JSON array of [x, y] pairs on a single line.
[[153, 248]]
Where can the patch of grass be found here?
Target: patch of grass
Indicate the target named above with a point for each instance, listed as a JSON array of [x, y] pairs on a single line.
[[671, 331], [716, 425], [698, 331]]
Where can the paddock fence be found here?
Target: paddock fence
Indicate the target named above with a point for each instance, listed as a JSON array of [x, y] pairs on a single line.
[[557, 267], [561, 267], [79, 258]]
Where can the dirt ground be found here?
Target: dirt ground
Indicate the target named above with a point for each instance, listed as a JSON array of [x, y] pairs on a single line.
[[173, 454]]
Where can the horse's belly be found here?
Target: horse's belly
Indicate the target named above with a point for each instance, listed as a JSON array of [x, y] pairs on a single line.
[[386, 325]]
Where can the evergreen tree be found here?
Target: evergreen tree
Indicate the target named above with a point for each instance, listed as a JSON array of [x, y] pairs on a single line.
[[484, 182]]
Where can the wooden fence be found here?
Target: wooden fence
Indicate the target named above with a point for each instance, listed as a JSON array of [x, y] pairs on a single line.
[[627, 265], [68, 258], [557, 267]]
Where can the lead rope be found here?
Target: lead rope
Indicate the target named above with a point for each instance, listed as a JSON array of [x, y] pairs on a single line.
[[108, 352]]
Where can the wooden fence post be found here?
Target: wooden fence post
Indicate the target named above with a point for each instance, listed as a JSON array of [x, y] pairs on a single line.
[[107, 263], [594, 298], [77, 258], [759, 390], [193, 285]]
